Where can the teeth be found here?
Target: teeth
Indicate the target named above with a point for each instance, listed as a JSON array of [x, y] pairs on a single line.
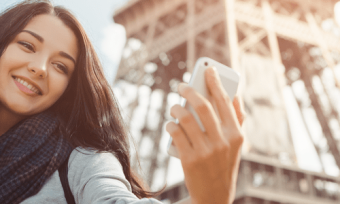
[[29, 86]]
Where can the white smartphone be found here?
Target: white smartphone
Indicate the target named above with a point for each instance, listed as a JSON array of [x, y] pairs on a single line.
[[229, 78]]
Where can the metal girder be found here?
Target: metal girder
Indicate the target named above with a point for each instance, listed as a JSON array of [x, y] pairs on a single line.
[[307, 77], [284, 26], [218, 47], [317, 149], [251, 40], [257, 20], [258, 46], [322, 44], [173, 37], [232, 34], [138, 22], [190, 22]]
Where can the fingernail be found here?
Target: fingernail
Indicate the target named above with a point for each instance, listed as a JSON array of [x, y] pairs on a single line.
[[213, 71]]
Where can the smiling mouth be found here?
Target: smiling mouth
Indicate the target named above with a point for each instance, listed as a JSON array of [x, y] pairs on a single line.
[[29, 86]]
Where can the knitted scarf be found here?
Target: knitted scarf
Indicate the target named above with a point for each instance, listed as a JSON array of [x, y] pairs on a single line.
[[30, 152]]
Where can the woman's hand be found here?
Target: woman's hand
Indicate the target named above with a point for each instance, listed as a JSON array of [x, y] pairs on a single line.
[[210, 159]]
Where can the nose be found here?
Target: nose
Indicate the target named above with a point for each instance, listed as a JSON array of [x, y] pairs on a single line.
[[38, 69]]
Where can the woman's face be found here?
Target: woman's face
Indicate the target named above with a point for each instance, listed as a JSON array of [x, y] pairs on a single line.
[[37, 65]]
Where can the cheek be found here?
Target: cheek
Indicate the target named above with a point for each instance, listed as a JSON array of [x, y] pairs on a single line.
[[13, 57], [6, 62], [57, 87]]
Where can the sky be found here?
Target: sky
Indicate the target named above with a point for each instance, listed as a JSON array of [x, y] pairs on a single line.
[[96, 16]]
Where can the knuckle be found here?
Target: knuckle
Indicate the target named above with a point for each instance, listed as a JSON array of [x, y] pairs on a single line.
[[224, 97], [190, 162], [174, 109], [185, 119], [173, 129], [187, 91], [210, 154], [237, 138], [198, 158], [215, 83], [201, 158], [176, 132], [222, 148], [169, 126], [240, 139], [238, 134], [203, 107], [205, 155]]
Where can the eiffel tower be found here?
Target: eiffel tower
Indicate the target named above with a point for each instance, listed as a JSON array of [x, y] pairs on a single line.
[[287, 52]]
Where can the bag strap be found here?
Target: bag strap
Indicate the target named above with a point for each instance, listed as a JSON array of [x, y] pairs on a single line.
[[63, 169]]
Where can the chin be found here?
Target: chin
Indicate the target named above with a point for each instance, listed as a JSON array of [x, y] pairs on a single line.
[[25, 110]]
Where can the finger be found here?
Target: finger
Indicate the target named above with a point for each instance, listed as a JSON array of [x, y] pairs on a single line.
[[181, 142], [220, 96], [189, 125], [240, 113], [204, 111]]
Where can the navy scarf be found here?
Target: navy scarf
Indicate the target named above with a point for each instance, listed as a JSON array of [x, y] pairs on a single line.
[[30, 152]]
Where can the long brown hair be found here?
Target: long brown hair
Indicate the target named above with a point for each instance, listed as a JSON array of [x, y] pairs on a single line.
[[88, 111]]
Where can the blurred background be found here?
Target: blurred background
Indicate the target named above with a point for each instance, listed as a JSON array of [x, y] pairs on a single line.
[[288, 55]]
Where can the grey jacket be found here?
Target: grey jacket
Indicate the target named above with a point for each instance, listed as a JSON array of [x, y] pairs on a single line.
[[93, 178]]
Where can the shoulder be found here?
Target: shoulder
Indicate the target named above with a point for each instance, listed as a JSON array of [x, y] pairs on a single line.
[[99, 178], [90, 157], [86, 164]]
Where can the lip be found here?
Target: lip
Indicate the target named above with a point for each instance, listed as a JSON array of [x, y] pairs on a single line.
[[31, 82]]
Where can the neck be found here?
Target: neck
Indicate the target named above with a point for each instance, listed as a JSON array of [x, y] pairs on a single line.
[[8, 119]]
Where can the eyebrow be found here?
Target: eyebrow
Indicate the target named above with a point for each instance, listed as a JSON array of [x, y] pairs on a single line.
[[38, 37], [63, 54], [41, 39]]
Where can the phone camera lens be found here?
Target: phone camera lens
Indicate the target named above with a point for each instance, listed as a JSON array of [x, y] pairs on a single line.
[[206, 63]]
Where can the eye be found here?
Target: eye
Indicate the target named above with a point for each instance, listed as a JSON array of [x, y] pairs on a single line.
[[61, 67], [27, 45]]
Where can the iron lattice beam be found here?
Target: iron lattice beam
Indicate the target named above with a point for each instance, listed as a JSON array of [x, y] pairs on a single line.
[[245, 34]]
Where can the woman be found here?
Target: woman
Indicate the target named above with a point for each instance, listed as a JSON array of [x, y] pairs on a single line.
[[55, 104]]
